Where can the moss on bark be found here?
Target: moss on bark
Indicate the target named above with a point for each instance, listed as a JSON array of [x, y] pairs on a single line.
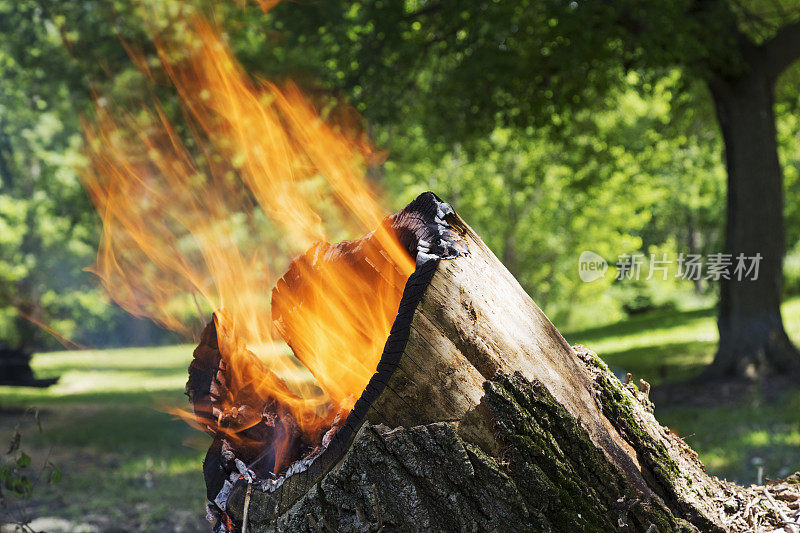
[[541, 474]]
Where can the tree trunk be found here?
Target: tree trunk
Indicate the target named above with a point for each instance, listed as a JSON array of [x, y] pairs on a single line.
[[752, 339], [15, 357], [538, 471], [480, 417]]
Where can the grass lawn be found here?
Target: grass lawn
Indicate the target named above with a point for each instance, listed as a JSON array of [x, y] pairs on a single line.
[[128, 465]]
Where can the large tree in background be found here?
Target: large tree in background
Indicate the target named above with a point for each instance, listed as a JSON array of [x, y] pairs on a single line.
[[750, 324], [462, 69]]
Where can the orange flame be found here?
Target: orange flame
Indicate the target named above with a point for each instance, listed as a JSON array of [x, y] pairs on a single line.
[[259, 177], [66, 342]]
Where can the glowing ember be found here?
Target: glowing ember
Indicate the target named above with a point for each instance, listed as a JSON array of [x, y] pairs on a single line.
[[260, 177]]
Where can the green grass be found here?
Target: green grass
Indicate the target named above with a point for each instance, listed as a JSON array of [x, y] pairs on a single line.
[[128, 463], [674, 346], [659, 346]]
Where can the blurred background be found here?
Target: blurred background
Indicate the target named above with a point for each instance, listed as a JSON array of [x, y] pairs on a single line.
[[552, 127]]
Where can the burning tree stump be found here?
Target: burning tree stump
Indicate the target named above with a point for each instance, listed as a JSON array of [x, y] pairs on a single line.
[[479, 417]]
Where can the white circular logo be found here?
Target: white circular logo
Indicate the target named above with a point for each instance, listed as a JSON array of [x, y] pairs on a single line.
[[591, 266]]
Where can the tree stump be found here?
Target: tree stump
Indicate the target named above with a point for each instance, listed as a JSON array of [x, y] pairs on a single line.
[[15, 369], [480, 417]]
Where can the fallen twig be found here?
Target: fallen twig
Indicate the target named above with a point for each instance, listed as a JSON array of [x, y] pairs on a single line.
[[786, 521]]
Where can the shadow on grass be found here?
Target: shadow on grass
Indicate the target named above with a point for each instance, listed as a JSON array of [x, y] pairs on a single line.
[[116, 429], [16, 397], [143, 371], [659, 363], [126, 466], [641, 324], [729, 437]]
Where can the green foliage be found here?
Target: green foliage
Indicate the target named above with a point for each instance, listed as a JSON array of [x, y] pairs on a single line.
[[50, 55], [463, 68], [615, 181], [549, 138], [18, 477], [606, 102]]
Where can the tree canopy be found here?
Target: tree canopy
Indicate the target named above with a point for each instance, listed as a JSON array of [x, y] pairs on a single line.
[[554, 127]]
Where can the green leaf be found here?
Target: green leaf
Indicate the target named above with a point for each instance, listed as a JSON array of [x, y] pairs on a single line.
[[23, 487], [24, 460], [55, 474]]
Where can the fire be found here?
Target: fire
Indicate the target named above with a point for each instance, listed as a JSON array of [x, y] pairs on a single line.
[[211, 215]]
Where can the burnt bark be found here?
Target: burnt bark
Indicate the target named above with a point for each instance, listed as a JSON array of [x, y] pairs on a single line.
[[752, 337]]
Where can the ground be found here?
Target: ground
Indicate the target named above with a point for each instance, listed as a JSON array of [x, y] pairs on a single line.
[[130, 464]]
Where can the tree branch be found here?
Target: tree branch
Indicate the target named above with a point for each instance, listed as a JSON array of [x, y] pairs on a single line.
[[783, 49], [432, 8]]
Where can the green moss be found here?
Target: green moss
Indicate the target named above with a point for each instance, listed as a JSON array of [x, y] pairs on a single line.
[[555, 465], [596, 362], [618, 408]]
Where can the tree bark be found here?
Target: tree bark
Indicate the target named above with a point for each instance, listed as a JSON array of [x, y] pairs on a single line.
[[540, 472], [752, 339], [481, 417]]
